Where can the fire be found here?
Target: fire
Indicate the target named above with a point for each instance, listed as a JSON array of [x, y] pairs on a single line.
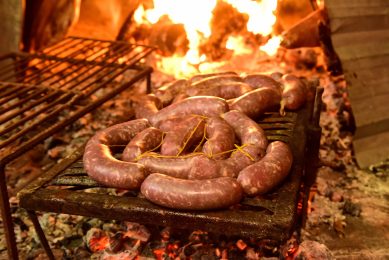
[[271, 46], [196, 16]]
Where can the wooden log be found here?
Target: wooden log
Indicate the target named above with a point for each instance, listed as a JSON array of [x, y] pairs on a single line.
[[306, 32], [47, 22]]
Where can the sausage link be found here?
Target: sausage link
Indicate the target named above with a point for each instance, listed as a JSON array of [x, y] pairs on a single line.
[[294, 93], [221, 138], [251, 135], [181, 138], [266, 174], [199, 77], [225, 90], [261, 81], [256, 102], [169, 91], [205, 106], [177, 193], [100, 164], [146, 106], [253, 141], [177, 167], [170, 123], [144, 141]]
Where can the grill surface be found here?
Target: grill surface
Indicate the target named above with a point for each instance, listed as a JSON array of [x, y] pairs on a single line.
[[42, 93], [51, 89], [67, 189]]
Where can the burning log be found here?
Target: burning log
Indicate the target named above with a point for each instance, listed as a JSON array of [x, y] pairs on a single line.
[[170, 38], [226, 21], [306, 32], [47, 22]]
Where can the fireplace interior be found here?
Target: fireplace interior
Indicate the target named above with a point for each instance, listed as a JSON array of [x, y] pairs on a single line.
[[80, 66]]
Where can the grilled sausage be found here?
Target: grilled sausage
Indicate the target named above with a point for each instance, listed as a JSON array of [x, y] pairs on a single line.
[[181, 138], [169, 91], [144, 141], [276, 75], [221, 138], [294, 93], [264, 175], [225, 90], [256, 102], [178, 167], [191, 194], [214, 80], [205, 106], [199, 77], [100, 164], [261, 81], [146, 106], [170, 123], [253, 141], [249, 132]]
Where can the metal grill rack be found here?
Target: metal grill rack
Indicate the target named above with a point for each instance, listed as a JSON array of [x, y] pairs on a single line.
[[41, 93]]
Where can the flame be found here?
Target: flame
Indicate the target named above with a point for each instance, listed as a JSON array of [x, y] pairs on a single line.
[[261, 14], [271, 46], [195, 16], [238, 45]]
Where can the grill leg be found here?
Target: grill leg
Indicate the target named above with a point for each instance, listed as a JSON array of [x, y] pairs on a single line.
[[7, 217], [148, 83], [41, 234]]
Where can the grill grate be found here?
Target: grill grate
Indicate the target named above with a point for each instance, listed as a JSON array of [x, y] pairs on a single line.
[[41, 93], [62, 82]]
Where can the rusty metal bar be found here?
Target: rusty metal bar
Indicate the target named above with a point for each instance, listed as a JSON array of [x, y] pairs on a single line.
[[29, 58], [40, 234], [73, 117], [16, 93], [29, 106], [7, 217]]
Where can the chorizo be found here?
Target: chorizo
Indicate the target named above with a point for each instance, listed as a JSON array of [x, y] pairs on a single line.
[[294, 93], [251, 135], [168, 92], [178, 167], [146, 106], [253, 147], [221, 138], [144, 141], [261, 81], [100, 164], [256, 102], [199, 77], [218, 79], [226, 90], [205, 106], [170, 123], [183, 194], [181, 138], [264, 175]]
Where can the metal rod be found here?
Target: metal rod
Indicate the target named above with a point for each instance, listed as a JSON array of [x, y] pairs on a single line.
[[33, 115], [29, 106], [7, 217], [16, 94], [50, 115], [31, 96], [315, 120], [21, 149], [52, 66], [40, 234], [28, 58]]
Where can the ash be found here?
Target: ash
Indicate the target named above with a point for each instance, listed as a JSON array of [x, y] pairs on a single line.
[[347, 219]]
